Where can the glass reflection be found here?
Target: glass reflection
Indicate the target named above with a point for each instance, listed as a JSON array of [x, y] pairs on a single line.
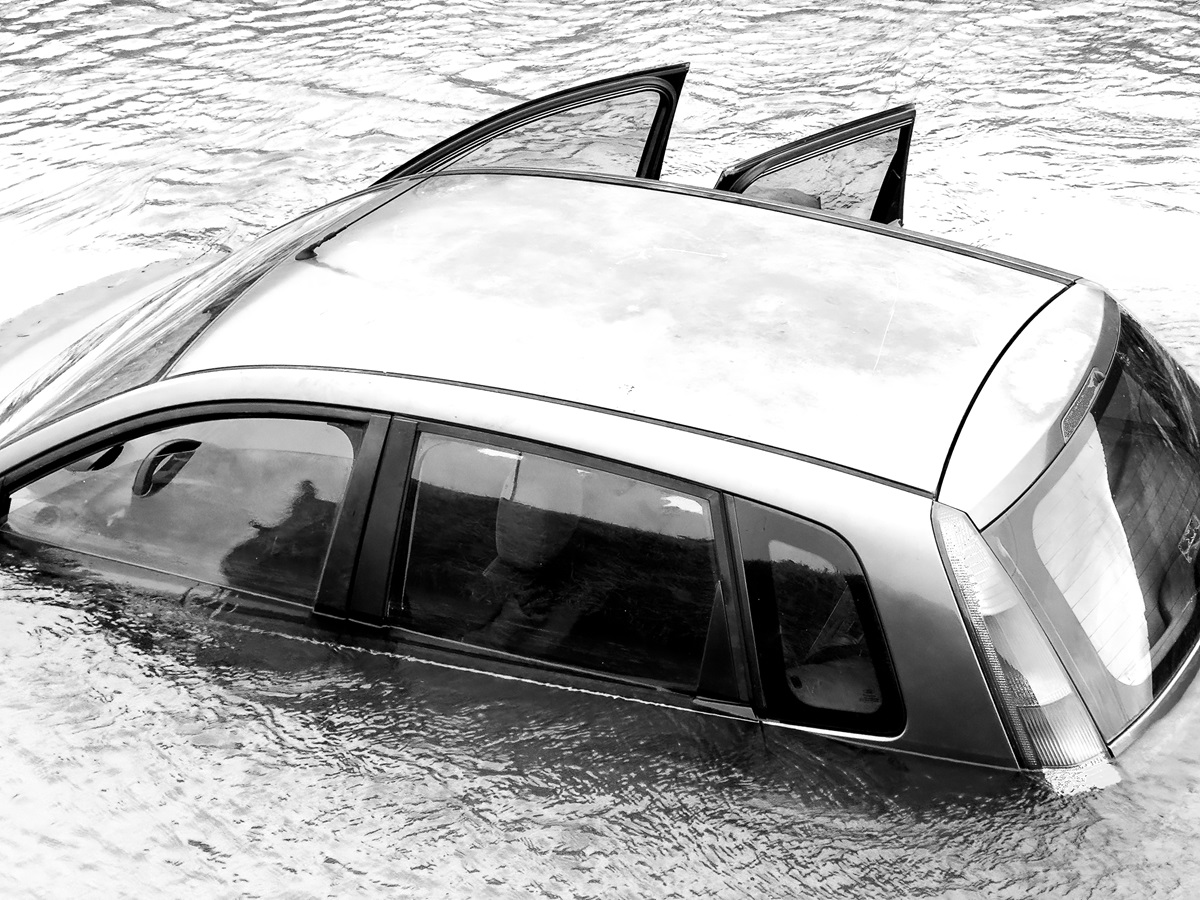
[[605, 136], [847, 179], [250, 504], [551, 560]]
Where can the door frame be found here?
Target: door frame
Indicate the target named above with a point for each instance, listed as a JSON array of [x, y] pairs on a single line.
[[667, 81], [741, 175]]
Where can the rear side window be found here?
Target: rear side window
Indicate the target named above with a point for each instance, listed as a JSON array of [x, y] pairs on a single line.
[[542, 558], [822, 656], [248, 503]]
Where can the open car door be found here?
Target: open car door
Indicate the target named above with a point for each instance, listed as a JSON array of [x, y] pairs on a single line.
[[618, 126], [857, 169]]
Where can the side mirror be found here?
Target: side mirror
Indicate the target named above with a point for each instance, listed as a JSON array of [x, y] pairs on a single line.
[[95, 463], [160, 467]]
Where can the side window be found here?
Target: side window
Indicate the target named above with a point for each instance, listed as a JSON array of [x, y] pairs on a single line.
[[823, 659], [248, 503], [547, 559], [848, 179], [858, 169], [617, 126], [605, 136]]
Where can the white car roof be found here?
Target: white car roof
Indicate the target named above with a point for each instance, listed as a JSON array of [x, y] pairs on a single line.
[[856, 347]]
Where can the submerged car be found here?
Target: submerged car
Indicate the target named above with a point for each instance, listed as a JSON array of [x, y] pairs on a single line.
[[756, 451]]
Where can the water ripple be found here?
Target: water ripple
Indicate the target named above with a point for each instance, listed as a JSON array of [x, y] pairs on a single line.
[[152, 751]]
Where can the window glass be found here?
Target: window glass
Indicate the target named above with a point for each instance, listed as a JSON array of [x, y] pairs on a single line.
[[246, 503], [606, 136], [1113, 529], [548, 559], [847, 179], [811, 612]]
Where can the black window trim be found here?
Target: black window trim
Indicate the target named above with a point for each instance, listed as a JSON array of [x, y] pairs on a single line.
[[749, 648], [385, 551], [342, 559], [367, 598]]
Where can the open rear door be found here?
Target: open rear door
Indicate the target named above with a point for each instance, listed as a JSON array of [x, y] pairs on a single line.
[[857, 169], [618, 126]]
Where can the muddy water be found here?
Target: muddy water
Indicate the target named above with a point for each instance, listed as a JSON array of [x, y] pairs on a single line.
[[153, 751]]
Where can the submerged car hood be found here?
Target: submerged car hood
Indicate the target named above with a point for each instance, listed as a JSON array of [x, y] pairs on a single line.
[[848, 345]]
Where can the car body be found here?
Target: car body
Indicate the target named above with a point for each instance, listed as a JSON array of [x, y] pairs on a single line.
[[754, 451]]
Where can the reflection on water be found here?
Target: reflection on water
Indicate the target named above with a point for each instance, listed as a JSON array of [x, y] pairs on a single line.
[[149, 750], [147, 743]]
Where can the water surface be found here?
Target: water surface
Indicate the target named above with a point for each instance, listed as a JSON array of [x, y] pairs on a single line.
[[153, 750]]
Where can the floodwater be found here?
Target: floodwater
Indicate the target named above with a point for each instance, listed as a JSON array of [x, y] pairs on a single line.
[[151, 750]]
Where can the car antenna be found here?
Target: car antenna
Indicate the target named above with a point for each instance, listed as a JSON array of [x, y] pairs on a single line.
[[310, 252]]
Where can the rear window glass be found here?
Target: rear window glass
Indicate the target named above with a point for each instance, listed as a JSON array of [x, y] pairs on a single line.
[[542, 558], [1107, 541]]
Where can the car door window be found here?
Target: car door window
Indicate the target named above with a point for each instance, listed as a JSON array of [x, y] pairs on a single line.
[[605, 136], [525, 554], [857, 169], [822, 656], [247, 503], [617, 126]]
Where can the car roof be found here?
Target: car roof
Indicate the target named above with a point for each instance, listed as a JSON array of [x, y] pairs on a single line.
[[854, 346]]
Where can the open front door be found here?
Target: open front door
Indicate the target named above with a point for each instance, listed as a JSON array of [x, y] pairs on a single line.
[[857, 169], [618, 126]]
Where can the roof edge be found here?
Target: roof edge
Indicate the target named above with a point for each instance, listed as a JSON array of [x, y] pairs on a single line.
[[574, 404], [901, 233]]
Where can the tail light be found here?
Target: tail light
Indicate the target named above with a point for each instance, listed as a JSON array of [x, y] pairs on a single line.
[[1049, 725]]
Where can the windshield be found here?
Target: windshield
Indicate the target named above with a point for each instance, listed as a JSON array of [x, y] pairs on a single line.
[[139, 344]]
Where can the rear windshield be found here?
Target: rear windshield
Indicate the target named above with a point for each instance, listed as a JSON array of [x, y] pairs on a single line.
[[1106, 542]]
